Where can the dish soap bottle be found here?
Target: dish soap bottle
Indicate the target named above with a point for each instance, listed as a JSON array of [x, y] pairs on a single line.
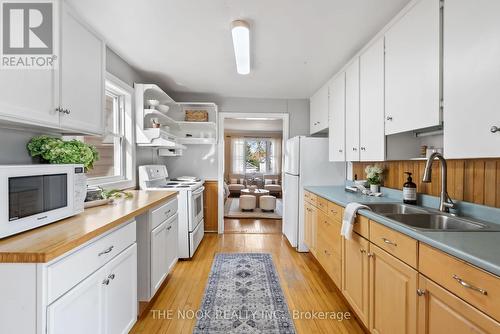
[[409, 191]]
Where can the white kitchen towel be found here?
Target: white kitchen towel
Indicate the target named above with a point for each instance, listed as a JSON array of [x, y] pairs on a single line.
[[349, 216]]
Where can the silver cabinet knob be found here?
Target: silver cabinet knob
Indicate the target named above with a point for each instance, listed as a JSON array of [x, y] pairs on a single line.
[[363, 148], [112, 276], [354, 149], [105, 282], [340, 150], [389, 118], [494, 129], [420, 292]]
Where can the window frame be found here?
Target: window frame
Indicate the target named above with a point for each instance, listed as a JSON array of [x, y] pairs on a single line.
[[127, 161]]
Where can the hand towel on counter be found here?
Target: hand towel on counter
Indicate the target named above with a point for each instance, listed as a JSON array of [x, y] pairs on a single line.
[[349, 216]]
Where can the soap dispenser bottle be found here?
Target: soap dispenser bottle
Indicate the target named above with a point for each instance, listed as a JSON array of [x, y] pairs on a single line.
[[409, 191]]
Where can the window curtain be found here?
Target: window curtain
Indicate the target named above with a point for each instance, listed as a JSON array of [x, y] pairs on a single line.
[[237, 155], [275, 156]]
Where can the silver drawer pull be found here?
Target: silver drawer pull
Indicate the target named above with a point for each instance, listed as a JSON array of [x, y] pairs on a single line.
[[112, 276], [105, 282], [494, 129], [389, 242], [106, 251], [169, 228], [469, 286], [168, 212]]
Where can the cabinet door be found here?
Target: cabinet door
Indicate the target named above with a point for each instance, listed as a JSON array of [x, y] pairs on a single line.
[[159, 262], [336, 121], [82, 76], [80, 311], [120, 292], [412, 78], [355, 275], [319, 110], [471, 79], [172, 243], [352, 111], [371, 103], [393, 296], [440, 311], [29, 97], [308, 225]]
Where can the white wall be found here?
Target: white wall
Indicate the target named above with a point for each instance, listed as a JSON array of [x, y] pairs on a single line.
[[201, 160]]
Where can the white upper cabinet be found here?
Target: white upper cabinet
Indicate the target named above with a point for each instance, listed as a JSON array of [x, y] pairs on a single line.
[[336, 132], [319, 110], [29, 97], [412, 69], [82, 76], [471, 79], [371, 103], [352, 111], [69, 99]]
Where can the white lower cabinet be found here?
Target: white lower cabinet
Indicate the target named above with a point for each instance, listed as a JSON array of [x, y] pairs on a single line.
[[158, 250], [120, 292], [105, 302], [80, 311], [163, 251]]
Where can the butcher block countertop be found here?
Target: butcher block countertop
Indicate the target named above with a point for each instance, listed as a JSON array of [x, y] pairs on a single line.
[[45, 243]]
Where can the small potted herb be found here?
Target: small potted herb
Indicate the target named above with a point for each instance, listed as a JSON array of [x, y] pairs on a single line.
[[374, 177]]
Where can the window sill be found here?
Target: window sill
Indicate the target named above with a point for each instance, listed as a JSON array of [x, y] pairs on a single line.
[[112, 184]]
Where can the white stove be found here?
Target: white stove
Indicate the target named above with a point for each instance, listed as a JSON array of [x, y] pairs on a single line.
[[190, 199]]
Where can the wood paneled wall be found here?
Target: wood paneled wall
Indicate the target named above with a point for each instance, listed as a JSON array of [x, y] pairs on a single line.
[[210, 206], [471, 180]]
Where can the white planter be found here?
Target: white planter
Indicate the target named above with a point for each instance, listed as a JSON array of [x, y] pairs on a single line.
[[374, 188]]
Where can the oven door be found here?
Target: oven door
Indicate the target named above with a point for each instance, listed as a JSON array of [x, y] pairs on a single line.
[[195, 208]]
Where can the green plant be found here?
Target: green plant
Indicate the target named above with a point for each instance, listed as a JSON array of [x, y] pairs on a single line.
[[374, 174], [114, 193], [57, 151]]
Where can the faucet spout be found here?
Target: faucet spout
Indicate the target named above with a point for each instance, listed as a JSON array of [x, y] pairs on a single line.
[[445, 202]]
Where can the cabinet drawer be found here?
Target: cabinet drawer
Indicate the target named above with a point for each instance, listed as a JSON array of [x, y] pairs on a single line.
[[395, 243], [335, 211], [362, 226], [72, 269], [162, 213], [462, 279], [322, 204], [310, 197]]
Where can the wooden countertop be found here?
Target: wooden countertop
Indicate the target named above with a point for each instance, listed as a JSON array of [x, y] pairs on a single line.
[[45, 243]]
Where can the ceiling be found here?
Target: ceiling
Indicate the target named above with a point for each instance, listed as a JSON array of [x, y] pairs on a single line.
[[186, 46], [253, 125]]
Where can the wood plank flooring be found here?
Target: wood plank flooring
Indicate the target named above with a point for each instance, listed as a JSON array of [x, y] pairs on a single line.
[[265, 226], [306, 286]]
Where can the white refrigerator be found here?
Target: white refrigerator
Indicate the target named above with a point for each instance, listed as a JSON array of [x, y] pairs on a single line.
[[306, 164]]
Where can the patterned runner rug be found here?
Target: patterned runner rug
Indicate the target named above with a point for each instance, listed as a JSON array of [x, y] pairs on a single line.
[[244, 295]]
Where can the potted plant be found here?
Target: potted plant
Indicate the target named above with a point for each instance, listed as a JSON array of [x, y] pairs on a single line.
[[374, 177], [54, 150]]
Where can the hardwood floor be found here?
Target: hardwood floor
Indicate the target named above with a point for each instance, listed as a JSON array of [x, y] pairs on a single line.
[[264, 226], [306, 286]]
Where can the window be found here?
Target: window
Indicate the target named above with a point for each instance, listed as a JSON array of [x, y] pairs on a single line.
[[116, 165], [256, 155]]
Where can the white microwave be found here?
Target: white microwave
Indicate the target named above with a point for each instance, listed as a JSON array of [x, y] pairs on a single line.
[[36, 195]]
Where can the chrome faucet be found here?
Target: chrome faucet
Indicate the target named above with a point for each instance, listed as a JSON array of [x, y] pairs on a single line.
[[445, 202]]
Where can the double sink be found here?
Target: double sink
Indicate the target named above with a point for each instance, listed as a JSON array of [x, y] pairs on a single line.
[[420, 218]]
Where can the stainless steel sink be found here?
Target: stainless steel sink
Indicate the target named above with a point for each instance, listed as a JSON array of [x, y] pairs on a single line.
[[420, 218], [430, 221], [394, 208]]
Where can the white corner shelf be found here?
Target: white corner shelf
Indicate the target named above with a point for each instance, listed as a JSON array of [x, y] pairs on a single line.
[[197, 141], [163, 119]]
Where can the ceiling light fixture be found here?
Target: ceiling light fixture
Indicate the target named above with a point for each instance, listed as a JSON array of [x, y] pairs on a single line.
[[241, 43]]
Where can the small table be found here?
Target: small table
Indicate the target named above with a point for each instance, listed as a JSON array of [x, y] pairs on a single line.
[[257, 193]]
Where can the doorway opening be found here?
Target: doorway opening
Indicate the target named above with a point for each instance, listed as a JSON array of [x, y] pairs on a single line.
[[251, 172]]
